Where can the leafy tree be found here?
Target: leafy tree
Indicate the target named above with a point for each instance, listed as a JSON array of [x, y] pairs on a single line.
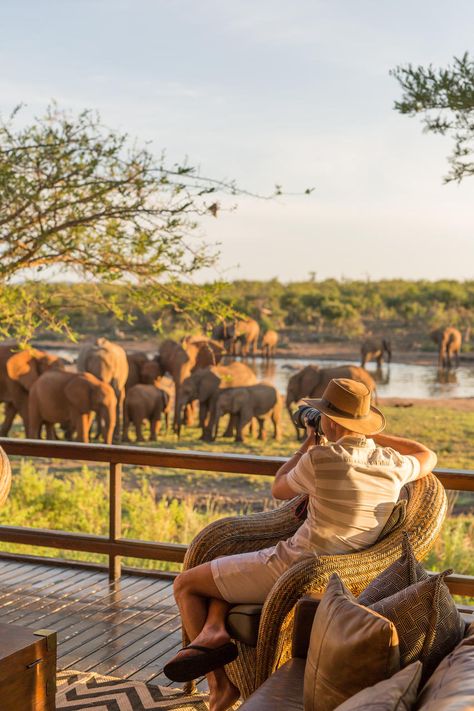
[[80, 200], [445, 99]]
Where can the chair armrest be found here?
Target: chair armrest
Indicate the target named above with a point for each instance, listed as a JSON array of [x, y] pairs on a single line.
[[305, 611], [241, 534]]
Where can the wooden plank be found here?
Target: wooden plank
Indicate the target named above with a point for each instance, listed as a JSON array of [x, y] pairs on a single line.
[[89, 543], [118, 637], [105, 622], [163, 652], [138, 648], [27, 581], [144, 456], [457, 479], [115, 516], [86, 613], [31, 610]]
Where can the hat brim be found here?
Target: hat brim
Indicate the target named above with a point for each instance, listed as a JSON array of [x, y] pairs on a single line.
[[371, 424]]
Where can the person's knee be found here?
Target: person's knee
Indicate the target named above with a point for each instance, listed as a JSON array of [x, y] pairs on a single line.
[[181, 585]]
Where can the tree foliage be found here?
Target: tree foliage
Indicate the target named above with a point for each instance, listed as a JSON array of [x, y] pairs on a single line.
[[445, 99], [84, 202]]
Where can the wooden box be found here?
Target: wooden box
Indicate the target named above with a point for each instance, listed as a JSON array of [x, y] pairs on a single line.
[[27, 669]]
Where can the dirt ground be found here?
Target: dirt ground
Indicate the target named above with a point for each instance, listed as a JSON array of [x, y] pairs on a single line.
[[460, 404]]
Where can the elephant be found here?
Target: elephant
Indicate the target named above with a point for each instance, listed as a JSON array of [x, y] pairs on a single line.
[[449, 341], [180, 362], [71, 399], [311, 381], [204, 351], [19, 371], [243, 331], [261, 401], [145, 402], [108, 362], [136, 361], [269, 343], [204, 384], [373, 349]]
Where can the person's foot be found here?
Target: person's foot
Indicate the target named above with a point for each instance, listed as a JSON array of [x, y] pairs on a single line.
[[207, 652], [211, 638], [222, 695]]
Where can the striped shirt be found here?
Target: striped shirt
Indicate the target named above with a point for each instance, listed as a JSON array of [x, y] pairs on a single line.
[[353, 485]]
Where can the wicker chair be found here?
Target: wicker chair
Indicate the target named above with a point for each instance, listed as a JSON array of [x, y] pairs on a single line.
[[425, 511]]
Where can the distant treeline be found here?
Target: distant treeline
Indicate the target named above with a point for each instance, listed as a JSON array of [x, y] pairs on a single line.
[[303, 310]]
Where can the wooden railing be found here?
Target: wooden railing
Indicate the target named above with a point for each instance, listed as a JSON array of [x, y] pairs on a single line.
[[116, 547]]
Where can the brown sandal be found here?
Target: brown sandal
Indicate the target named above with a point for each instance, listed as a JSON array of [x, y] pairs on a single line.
[[196, 665]]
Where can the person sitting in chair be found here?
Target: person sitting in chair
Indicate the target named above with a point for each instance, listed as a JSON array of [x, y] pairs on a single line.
[[352, 478]]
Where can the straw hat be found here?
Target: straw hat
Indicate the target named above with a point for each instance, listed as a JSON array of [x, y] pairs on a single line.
[[347, 402]]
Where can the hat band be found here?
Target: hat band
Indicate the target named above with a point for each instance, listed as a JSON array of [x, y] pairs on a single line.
[[342, 413]]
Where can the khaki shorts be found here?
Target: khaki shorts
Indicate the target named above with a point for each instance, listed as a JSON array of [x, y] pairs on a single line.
[[245, 577]]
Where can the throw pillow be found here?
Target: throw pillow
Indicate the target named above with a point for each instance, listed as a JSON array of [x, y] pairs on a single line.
[[451, 686], [351, 647], [395, 694], [428, 624], [403, 572]]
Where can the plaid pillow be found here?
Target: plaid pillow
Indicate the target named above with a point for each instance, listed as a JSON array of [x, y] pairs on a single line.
[[428, 624], [403, 572]]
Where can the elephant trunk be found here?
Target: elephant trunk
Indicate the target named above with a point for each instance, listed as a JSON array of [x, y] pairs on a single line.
[[388, 350]]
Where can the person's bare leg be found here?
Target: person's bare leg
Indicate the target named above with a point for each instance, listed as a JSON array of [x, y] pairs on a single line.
[[203, 613]]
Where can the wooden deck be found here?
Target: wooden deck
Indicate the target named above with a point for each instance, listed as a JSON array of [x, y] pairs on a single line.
[[127, 629]]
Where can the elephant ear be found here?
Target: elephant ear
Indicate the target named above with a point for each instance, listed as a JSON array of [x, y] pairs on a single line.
[[78, 393], [23, 368]]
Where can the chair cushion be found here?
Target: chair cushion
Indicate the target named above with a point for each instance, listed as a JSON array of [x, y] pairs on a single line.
[[283, 690], [403, 572], [451, 686], [351, 647], [395, 694], [243, 622], [428, 623]]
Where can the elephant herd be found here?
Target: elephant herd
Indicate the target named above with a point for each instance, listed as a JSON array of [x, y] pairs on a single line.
[[113, 390], [448, 340], [118, 389]]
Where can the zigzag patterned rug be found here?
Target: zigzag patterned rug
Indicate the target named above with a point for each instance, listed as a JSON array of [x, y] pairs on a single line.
[[86, 691]]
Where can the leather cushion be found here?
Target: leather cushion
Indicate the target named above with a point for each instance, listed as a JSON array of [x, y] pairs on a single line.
[[243, 622], [395, 694], [351, 647], [399, 575], [283, 690], [428, 623], [305, 611], [451, 686]]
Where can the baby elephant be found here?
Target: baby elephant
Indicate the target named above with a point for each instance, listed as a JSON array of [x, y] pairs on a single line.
[[260, 401], [145, 402]]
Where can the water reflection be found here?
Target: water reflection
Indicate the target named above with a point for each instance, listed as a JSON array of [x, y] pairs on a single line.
[[381, 375], [446, 376], [402, 380]]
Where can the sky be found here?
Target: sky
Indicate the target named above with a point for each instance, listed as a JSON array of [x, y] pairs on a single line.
[[276, 91]]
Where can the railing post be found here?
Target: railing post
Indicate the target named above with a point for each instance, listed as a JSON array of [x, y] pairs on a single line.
[[115, 516]]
